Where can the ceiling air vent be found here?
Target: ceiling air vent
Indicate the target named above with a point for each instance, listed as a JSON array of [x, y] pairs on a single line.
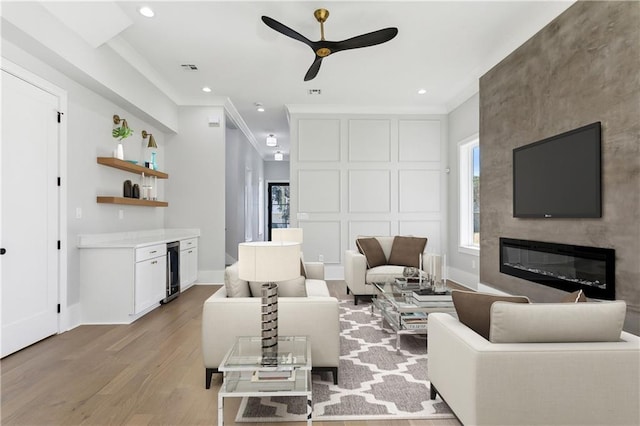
[[189, 67], [315, 91]]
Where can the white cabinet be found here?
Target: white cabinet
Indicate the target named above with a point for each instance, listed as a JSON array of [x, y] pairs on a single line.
[[123, 276], [119, 285], [188, 263], [151, 277]]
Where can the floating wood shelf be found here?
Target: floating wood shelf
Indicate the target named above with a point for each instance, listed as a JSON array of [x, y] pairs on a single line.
[[131, 201], [130, 167]]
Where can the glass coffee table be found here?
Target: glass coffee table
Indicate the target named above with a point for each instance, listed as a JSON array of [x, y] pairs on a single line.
[[402, 312], [243, 373]]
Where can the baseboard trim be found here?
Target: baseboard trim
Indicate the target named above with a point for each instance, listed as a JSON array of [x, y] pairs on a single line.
[[72, 318], [463, 278], [210, 276]]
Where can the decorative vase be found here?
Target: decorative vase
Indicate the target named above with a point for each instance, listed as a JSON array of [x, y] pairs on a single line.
[[154, 166], [120, 152]]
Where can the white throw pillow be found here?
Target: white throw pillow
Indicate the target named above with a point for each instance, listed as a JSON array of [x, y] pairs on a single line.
[[289, 288], [556, 322], [233, 284]]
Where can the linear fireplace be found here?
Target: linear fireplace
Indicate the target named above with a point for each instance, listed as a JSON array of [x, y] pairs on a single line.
[[562, 266]]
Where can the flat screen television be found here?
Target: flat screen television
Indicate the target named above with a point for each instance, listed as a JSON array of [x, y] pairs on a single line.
[[559, 177]]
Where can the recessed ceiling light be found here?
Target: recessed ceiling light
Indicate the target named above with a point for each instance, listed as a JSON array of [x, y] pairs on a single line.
[[146, 11], [259, 107], [422, 91], [206, 89]]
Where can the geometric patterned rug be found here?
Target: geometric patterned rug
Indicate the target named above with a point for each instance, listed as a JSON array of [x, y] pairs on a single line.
[[375, 382]]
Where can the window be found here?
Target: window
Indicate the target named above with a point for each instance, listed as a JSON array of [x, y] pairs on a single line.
[[469, 155]]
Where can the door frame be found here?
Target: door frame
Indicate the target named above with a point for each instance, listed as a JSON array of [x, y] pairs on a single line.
[[267, 203], [64, 318]]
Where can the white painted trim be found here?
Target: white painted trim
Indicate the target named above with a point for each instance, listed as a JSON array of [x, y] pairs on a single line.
[[210, 276], [488, 289], [473, 251], [465, 201], [463, 95], [464, 278], [74, 316], [232, 113], [363, 109], [64, 319]]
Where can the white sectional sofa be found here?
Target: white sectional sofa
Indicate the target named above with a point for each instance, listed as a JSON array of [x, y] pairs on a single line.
[[314, 315], [533, 382]]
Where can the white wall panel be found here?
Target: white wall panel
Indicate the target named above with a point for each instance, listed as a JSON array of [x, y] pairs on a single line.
[[366, 174], [429, 229], [369, 140], [369, 191], [318, 140], [419, 191], [367, 228], [322, 238], [319, 191], [419, 140]]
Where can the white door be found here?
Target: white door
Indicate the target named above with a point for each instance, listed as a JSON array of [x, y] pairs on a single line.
[[29, 214]]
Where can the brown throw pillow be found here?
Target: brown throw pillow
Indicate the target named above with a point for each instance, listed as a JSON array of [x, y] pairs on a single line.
[[575, 297], [474, 309], [303, 270], [406, 251], [372, 251]]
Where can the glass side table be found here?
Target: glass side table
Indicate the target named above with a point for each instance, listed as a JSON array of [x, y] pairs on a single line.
[[244, 375]]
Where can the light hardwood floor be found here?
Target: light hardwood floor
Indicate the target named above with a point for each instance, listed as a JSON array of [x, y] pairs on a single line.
[[148, 372]]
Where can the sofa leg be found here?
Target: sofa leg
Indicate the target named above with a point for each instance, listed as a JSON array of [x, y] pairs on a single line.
[[434, 391], [208, 374], [332, 370], [355, 299], [347, 289]]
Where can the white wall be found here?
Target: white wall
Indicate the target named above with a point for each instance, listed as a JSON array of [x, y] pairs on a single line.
[[241, 157], [464, 122], [196, 185], [276, 171], [89, 125], [368, 174]]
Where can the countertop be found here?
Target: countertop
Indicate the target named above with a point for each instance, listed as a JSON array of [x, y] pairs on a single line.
[[135, 239]]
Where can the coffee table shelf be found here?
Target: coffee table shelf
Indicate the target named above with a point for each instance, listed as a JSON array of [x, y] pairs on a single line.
[[393, 302]]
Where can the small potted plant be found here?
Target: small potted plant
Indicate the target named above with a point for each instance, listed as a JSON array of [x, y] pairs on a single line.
[[121, 133]]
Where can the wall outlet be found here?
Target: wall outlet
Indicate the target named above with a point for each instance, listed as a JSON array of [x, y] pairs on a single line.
[[78, 213], [120, 214], [320, 258], [473, 264]]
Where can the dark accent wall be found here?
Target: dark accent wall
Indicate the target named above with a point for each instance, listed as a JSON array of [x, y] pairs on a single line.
[[581, 68]]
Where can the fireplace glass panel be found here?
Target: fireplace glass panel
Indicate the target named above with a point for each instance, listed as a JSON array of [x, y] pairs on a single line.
[[562, 266]]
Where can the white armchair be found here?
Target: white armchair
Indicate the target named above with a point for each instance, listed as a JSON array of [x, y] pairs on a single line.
[[360, 279]]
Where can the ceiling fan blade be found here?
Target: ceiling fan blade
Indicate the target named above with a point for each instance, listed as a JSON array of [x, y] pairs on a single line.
[[283, 29], [313, 69], [364, 40]]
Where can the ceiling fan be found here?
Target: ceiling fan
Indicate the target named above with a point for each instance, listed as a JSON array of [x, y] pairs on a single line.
[[323, 48]]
